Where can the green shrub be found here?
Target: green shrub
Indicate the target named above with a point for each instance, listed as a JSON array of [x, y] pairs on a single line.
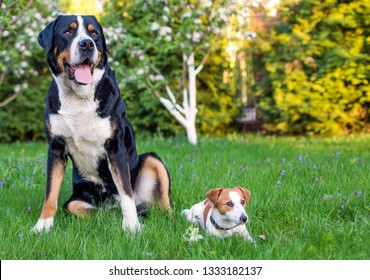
[[313, 68]]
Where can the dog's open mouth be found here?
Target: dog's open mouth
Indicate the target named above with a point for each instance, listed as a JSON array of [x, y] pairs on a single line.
[[81, 73]]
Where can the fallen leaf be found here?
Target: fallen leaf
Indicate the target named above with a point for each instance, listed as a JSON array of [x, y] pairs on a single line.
[[262, 237]]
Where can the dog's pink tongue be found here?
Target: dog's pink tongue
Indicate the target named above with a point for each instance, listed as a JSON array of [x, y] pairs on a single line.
[[83, 74]]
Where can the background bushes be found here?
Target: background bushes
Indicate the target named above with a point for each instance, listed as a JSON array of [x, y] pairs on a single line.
[[310, 67], [23, 70], [313, 69]]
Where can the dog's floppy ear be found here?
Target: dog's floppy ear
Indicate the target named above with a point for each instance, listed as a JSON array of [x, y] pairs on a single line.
[[46, 36], [245, 193], [105, 47], [214, 194]]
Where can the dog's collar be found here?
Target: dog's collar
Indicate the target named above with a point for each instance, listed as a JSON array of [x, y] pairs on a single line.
[[219, 227]]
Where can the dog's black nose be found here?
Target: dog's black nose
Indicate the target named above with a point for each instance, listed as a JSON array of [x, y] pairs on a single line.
[[86, 45], [243, 218]]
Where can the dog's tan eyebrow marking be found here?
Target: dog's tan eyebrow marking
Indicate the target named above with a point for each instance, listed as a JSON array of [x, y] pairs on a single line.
[[90, 27], [73, 25]]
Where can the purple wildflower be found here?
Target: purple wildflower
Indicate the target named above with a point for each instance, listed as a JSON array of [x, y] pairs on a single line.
[[336, 154], [358, 193], [279, 183], [316, 179], [283, 160], [28, 209], [244, 168], [180, 166], [342, 206], [282, 172], [327, 196], [301, 158], [1, 185]]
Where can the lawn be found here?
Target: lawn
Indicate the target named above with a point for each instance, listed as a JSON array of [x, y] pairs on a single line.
[[309, 201]]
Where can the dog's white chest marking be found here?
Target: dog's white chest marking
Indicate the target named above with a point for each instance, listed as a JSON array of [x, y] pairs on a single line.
[[84, 132]]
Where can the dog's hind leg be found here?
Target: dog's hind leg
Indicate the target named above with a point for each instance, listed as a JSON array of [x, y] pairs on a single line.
[[78, 208], [86, 197], [152, 184]]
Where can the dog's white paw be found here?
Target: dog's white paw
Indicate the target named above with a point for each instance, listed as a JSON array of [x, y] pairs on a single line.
[[188, 214], [131, 225], [43, 225], [130, 221], [251, 240]]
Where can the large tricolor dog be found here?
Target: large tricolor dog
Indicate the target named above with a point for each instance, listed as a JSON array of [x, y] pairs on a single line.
[[85, 120], [223, 212]]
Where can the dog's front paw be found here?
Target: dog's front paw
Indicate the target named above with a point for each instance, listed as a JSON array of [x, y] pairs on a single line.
[[187, 214], [43, 225], [248, 238], [131, 225], [251, 240]]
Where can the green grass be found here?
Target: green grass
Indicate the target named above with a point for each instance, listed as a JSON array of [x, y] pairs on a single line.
[[309, 201]]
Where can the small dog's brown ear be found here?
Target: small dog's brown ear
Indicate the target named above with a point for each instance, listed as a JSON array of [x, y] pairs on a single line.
[[214, 194], [246, 194]]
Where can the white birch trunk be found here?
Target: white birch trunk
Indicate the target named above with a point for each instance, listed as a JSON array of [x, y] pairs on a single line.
[[192, 109], [186, 115]]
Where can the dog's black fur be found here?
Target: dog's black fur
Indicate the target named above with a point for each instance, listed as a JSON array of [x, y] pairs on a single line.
[[120, 170]]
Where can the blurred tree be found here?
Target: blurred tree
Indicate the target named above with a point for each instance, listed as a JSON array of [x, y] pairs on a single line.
[[24, 72], [165, 45], [83, 7], [313, 68], [11, 12]]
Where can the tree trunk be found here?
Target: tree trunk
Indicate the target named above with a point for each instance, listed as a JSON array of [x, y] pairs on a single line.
[[186, 115], [192, 107], [191, 133]]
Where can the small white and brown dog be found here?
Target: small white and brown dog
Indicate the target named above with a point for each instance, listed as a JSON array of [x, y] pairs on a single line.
[[223, 212]]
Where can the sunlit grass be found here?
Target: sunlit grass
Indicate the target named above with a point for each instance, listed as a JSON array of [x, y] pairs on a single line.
[[309, 201]]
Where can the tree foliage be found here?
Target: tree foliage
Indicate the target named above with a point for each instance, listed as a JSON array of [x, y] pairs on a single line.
[[24, 72], [156, 35], [83, 7], [313, 68]]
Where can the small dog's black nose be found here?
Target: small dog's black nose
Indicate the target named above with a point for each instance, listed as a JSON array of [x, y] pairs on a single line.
[[243, 218], [86, 45]]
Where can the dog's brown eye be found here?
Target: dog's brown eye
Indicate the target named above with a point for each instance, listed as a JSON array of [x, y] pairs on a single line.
[[242, 202], [230, 204]]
